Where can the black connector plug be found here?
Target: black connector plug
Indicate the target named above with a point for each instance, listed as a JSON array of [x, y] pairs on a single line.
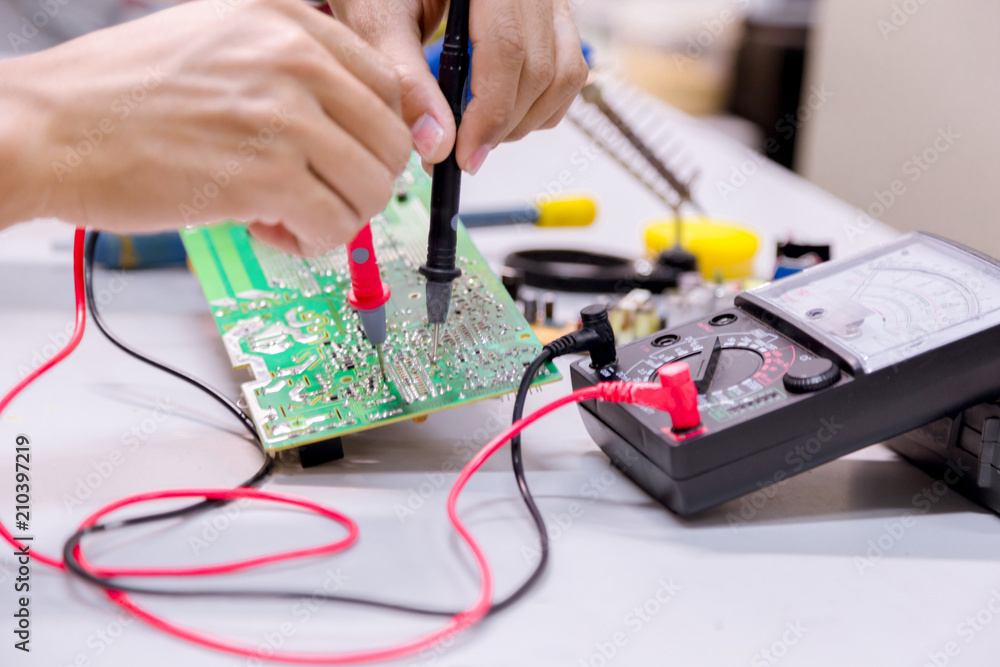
[[595, 336], [602, 346]]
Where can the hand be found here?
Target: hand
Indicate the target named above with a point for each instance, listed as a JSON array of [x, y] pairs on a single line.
[[527, 68], [263, 110]]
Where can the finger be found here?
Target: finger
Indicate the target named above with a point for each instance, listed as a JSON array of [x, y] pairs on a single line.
[[557, 117], [350, 48], [318, 218], [395, 33], [346, 166], [539, 62], [276, 236], [499, 51], [360, 112], [570, 75], [425, 109]]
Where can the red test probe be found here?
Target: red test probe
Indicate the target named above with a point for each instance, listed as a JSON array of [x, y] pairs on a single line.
[[368, 292]]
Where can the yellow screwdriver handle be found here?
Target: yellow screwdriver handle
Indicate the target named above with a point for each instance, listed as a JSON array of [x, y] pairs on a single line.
[[567, 212]]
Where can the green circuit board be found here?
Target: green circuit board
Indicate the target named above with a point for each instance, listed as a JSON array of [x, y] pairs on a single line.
[[315, 376]]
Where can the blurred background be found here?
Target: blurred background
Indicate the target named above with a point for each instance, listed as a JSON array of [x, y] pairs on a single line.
[[890, 105], [887, 104]]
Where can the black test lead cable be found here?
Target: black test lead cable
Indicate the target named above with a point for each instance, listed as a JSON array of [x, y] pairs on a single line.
[[596, 337], [73, 564], [258, 478], [517, 462], [90, 248], [446, 184], [69, 549]]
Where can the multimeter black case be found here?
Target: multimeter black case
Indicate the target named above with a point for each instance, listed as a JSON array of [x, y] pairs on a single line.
[[805, 370], [962, 451]]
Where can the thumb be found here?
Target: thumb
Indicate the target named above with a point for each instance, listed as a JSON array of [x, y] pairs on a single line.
[[424, 108]]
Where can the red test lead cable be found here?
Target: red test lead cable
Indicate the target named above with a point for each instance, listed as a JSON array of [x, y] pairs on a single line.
[[672, 394], [368, 293], [80, 322]]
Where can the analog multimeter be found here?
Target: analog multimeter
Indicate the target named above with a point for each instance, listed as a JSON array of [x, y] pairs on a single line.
[[806, 369]]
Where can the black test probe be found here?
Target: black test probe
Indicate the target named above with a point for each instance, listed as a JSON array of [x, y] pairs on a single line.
[[446, 184]]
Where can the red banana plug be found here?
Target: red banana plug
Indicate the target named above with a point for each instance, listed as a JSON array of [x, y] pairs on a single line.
[[675, 394]]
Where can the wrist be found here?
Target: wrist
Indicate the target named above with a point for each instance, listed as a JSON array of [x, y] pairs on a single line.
[[26, 183]]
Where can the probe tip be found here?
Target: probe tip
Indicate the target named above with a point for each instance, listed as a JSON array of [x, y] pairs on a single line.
[[434, 348], [381, 361]]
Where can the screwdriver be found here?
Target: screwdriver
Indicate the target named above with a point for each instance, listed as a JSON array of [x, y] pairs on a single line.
[[368, 293], [446, 183], [575, 211]]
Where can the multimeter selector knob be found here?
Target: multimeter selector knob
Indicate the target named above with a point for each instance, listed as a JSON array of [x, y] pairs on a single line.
[[811, 375]]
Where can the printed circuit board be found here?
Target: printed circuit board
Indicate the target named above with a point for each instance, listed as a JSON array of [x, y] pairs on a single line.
[[315, 376]]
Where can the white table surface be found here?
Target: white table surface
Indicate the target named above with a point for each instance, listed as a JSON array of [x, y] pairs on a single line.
[[793, 563]]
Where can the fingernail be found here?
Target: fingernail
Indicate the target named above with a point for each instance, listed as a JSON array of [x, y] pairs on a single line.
[[427, 136], [477, 160]]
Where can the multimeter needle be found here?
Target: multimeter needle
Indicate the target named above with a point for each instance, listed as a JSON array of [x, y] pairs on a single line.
[[434, 348]]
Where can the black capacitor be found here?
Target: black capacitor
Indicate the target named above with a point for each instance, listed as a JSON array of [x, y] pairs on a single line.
[[512, 280], [549, 300], [530, 301]]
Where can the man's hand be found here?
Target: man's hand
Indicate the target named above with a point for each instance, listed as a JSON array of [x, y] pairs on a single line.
[[259, 110], [526, 69]]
